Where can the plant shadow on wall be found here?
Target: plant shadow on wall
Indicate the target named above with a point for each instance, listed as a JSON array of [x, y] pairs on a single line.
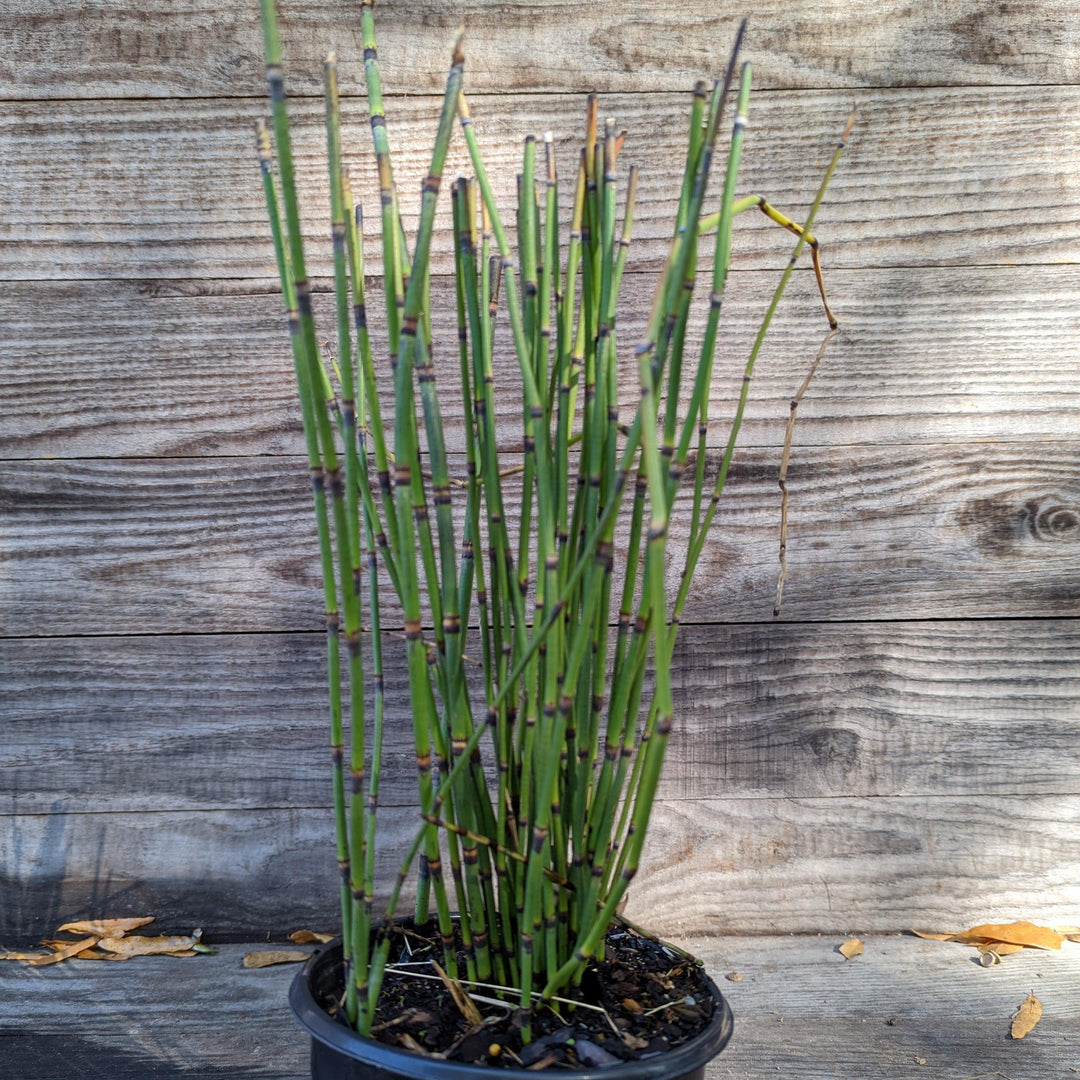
[[542, 569]]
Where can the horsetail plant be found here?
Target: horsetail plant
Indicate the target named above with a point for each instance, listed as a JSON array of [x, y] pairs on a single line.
[[537, 776]]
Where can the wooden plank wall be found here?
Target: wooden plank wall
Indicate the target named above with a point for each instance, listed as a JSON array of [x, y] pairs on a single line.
[[900, 748]]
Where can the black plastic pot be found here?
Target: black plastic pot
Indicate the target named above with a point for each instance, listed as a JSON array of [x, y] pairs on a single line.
[[339, 1053]]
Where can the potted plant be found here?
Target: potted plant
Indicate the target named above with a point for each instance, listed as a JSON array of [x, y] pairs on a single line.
[[534, 583]]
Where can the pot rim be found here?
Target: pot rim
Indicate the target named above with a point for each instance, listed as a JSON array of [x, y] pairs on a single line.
[[681, 1060]]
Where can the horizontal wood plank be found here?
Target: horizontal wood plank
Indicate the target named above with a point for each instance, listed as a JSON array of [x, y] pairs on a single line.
[[912, 189], [792, 865], [924, 357], [192, 722], [211, 48], [712, 865], [799, 1007], [227, 545]]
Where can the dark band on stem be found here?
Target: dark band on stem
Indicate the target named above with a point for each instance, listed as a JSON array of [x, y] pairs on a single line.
[[303, 298], [276, 82]]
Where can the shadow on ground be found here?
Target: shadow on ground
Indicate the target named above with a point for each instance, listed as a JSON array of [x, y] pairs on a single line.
[[62, 1057]]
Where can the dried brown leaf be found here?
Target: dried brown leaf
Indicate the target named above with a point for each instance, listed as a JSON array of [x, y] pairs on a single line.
[[466, 1005], [1002, 948], [147, 946], [23, 955], [1027, 1016], [851, 948], [111, 928], [73, 949], [1022, 933], [410, 1043], [1015, 933], [310, 937], [278, 956]]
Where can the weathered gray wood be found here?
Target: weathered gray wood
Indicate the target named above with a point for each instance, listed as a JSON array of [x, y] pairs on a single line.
[[912, 191], [225, 545], [214, 1019], [924, 357], [212, 48], [193, 722], [902, 1010], [712, 865], [800, 1008], [754, 866], [932, 765]]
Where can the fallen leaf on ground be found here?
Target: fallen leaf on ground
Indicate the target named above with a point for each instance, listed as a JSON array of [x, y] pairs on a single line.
[[105, 927], [73, 949], [148, 946], [1002, 948], [109, 941], [310, 937], [1016, 933], [1027, 1016], [89, 953], [1021, 934], [279, 956], [851, 948]]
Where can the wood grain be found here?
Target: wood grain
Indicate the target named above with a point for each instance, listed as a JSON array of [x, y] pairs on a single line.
[[800, 1008], [912, 190], [226, 545], [196, 722], [925, 357], [793, 865], [161, 729], [212, 48], [712, 865]]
